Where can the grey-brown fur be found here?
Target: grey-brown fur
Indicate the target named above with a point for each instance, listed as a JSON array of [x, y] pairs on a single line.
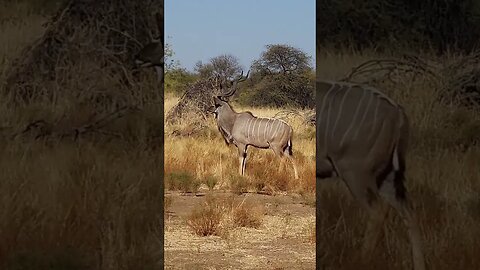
[[362, 137], [244, 129], [151, 56]]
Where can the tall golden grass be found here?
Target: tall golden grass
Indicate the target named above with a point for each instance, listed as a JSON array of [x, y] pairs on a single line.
[[442, 177], [95, 203]]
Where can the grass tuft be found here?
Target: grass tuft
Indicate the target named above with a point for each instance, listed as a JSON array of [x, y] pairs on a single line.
[[218, 215]]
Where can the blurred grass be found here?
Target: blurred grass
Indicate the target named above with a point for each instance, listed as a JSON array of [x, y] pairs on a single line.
[[95, 203], [442, 177]]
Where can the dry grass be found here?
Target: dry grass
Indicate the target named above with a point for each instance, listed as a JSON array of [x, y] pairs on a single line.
[[91, 204], [218, 215], [206, 220], [246, 215], [183, 181], [442, 177], [167, 202], [283, 239]]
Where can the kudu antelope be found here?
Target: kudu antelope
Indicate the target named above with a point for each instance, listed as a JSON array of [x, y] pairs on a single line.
[[362, 138], [243, 129], [152, 54]]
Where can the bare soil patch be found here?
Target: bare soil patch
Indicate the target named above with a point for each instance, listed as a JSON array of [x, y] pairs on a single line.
[[284, 240]]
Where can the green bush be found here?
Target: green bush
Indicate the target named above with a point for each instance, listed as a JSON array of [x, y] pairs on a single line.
[[210, 181], [281, 90], [177, 80], [183, 181]]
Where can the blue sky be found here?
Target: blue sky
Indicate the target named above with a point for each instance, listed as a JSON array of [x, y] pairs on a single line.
[[202, 29]]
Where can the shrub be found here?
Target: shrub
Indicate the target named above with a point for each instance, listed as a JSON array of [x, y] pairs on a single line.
[[205, 221], [210, 181], [183, 181], [219, 214]]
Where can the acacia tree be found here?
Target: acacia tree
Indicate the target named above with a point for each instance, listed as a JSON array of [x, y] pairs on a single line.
[[177, 78], [226, 66], [279, 58], [282, 77], [170, 63]]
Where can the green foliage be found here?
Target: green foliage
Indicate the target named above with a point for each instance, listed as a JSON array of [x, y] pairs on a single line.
[[281, 90], [170, 63], [210, 181], [281, 77], [280, 58], [177, 79], [382, 24], [183, 181], [226, 66]]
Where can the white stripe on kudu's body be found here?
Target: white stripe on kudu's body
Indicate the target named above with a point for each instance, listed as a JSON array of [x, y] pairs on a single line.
[[364, 115], [362, 137], [246, 130], [265, 134], [249, 129]]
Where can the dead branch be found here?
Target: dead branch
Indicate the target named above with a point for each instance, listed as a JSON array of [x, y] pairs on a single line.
[[307, 117], [382, 69], [82, 36], [195, 101], [42, 129]]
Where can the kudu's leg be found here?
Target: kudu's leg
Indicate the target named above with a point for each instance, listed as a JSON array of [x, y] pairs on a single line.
[[292, 160], [282, 164], [363, 188], [245, 160], [394, 192], [378, 212], [279, 153], [242, 158]]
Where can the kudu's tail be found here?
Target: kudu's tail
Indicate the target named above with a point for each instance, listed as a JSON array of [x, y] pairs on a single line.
[[289, 143], [398, 157], [290, 147]]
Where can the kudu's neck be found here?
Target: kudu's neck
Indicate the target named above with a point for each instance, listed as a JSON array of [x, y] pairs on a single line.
[[226, 118]]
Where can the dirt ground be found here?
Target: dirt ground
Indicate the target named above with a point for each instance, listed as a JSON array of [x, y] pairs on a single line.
[[285, 240]]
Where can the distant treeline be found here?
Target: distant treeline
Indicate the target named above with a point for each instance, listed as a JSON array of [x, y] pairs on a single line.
[[282, 76], [440, 25], [46, 7]]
